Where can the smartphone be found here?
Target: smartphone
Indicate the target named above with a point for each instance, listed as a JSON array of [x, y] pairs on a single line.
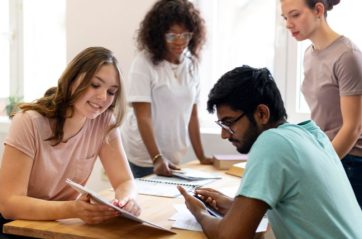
[[212, 211]]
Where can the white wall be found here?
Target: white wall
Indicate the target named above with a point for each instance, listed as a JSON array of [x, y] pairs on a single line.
[[108, 23]]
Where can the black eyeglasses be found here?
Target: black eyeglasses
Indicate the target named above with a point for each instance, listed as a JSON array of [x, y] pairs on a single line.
[[226, 124]]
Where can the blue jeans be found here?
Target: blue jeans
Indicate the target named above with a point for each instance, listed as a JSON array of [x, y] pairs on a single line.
[[353, 167], [139, 172]]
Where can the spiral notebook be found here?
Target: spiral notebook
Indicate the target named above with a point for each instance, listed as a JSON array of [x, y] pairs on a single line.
[[167, 186]]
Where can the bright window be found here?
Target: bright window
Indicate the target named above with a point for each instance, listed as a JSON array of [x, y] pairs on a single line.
[[32, 46], [44, 45], [239, 32], [4, 56]]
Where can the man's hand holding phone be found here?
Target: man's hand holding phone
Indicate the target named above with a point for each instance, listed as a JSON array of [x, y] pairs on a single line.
[[212, 211], [214, 199]]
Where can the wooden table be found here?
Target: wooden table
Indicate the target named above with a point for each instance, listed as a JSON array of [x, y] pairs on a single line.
[[154, 209]]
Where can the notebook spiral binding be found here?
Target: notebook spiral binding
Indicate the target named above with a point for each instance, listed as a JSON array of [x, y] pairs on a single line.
[[169, 180]]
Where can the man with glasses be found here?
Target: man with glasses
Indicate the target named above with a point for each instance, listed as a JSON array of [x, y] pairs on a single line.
[[293, 173]]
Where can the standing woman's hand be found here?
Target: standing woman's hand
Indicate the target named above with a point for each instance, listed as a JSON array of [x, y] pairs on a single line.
[[206, 160], [164, 167]]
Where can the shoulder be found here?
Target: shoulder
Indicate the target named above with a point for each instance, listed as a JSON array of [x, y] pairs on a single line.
[[348, 43], [27, 128], [266, 143], [274, 136], [345, 48], [348, 60], [143, 57], [142, 64], [29, 116], [284, 138]]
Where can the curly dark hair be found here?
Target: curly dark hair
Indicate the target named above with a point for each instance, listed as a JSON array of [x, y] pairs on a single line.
[[244, 88], [158, 21]]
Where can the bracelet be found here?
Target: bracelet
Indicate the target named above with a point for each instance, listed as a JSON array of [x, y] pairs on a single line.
[[156, 157]]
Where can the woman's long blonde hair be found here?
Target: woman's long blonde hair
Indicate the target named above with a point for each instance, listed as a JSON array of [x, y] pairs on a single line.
[[58, 102]]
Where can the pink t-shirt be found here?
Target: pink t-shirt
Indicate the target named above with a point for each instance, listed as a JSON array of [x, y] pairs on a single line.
[[53, 164], [329, 74]]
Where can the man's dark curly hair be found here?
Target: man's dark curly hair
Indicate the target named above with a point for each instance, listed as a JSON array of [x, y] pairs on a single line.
[[244, 88], [164, 14]]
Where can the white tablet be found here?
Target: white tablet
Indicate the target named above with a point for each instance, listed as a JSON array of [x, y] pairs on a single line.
[[98, 198]]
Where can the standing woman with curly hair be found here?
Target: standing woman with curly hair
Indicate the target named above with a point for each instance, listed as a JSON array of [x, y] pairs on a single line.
[[164, 89], [332, 81]]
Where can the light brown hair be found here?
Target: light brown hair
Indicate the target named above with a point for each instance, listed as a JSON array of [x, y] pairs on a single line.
[[58, 102]]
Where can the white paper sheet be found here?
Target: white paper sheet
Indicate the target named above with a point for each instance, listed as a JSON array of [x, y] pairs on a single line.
[[185, 220]]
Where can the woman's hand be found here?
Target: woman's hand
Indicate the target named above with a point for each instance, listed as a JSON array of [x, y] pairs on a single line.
[[129, 204], [93, 213], [163, 167]]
